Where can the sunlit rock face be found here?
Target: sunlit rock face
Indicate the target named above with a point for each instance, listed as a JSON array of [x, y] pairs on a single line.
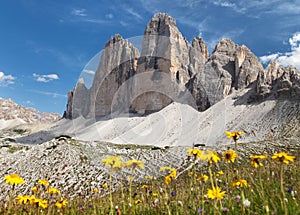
[[169, 69]]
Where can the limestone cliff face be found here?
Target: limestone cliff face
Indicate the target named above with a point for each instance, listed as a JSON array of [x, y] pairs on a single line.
[[229, 67], [164, 50], [168, 69], [118, 63], [279, 81]]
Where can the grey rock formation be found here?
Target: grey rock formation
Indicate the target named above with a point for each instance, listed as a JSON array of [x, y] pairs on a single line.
[[10, 110], [117, 64], [164, 50], [229, 67], [171, 69], [279, 81]]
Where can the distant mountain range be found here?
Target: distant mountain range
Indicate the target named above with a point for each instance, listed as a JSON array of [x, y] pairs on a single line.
[[169, 69], [10, 111]]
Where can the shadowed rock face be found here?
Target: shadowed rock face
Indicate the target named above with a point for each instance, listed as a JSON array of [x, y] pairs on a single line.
[[278, 81], [170, 67]]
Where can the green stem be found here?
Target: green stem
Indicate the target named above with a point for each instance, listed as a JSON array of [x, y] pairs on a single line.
[[123, 196], [211, 177], [110, 194], [130, 185], [235, 146], [282, 190]]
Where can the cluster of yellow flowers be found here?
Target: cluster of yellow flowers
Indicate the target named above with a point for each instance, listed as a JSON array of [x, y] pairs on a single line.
[[211, 156], [229, 157], [281, 157], [171, 176], [15, 179], [116, 163], [32, 200]]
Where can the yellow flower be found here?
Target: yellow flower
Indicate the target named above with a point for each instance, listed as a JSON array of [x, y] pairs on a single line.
[[230, 156], [42, 203], [254, 160], [144, 186], [154, 194], [168, 179], [210, 156], [110, 161], [135, 163], [283, 157], [239, 183], [95, 190], [215, 193], [22, 199], [43, 182], [234, 135], [138, 201], [193, 174], [32, 199], [219, 173], [118, 165], [104, 185], [165, 168], [14, 179], [173, 173], [203, 178], [194, 152], [52, 190], [150, 177], [61, 203], [35, 189]]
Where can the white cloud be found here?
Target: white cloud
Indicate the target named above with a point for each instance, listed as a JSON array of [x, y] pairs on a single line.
[[224, 4], [124, 24], [45, 78], [267, 58], [6, 80], [109, 16], [79, 12], [88, 71], [53, 94], [287, 58], [134, 13], [97, 21]]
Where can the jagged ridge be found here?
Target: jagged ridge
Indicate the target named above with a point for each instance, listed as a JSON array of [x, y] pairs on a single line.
[[169, 68]]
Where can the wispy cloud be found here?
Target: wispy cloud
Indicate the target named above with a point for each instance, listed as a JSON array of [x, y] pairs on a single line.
[[97, 21], [268, 58], [52, 94], [124, 24], [223, 3], [88, 71], [287, 58], [79, 12], [134, 13], [109, 16], [6, 80], [45, 78], [68, 59]]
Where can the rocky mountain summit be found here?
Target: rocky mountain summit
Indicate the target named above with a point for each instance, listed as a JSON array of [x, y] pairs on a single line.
[[169, 69], [9, 110]]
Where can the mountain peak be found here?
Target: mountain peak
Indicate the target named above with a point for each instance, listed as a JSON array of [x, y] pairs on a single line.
[[114, 39], [163, 17], [161, 24]]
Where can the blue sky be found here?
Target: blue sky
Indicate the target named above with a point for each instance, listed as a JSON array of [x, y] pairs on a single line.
[[45, 45]]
